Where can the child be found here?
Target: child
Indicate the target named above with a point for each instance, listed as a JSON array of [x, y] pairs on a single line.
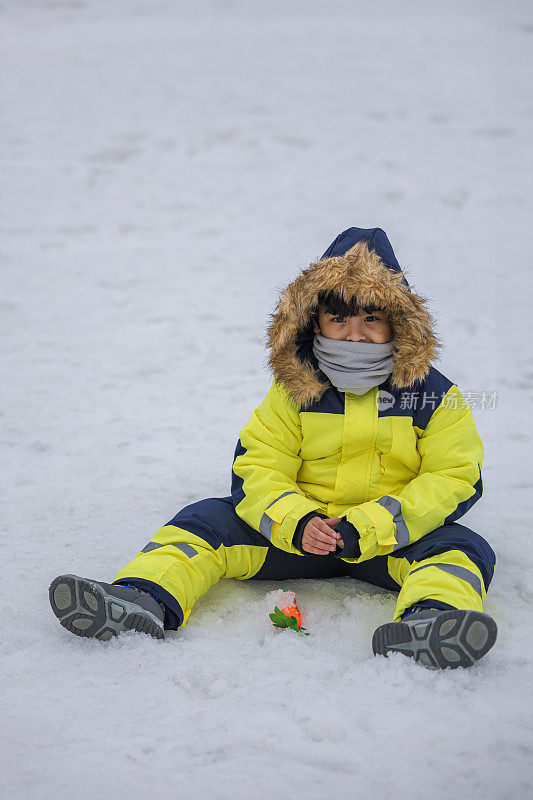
[[358, 462]]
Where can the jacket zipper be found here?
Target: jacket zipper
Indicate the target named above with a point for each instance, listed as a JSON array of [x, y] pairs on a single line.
[[372, 447]]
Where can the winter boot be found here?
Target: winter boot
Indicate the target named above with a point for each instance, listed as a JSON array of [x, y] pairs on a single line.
[[436, 638], [102, 610]]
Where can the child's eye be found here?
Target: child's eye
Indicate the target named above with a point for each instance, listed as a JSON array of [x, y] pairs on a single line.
[[368, 318]]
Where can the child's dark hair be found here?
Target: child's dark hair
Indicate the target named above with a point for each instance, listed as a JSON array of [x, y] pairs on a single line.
[[333, 303]]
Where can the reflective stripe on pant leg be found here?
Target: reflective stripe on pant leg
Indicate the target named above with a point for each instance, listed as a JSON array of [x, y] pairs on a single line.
[[452, 545], [186, 563], [172, 564], [450, 577]]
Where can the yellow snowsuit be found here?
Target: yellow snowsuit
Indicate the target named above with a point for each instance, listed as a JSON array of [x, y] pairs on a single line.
[[401, 462]]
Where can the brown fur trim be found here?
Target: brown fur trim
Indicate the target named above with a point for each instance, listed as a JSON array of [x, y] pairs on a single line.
[[359, 272]]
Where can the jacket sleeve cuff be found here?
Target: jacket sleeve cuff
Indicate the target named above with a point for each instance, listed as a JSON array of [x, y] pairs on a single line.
[[299, 530], [350, 537]]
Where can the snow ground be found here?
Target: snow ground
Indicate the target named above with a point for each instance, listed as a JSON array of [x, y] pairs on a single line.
[[165, 172]]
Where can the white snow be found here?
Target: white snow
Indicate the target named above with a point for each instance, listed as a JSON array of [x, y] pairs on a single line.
[[166, 168]]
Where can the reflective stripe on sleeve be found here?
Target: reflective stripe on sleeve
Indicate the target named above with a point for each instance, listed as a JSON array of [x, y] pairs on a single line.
[[402, 531], [265, 526], [279, 498]]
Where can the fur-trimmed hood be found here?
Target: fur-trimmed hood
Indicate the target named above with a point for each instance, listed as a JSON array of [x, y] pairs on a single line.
[[359, 262]]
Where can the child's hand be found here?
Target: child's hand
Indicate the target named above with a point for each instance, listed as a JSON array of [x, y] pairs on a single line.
[[319, 536]]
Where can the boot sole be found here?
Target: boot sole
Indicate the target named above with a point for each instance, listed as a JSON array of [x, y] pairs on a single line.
[[85, 608], [452, 639]]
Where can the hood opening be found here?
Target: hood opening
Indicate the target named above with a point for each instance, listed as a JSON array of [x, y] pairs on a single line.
[[360, 263]]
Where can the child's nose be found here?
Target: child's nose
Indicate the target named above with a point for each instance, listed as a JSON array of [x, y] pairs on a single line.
[[355, 331]]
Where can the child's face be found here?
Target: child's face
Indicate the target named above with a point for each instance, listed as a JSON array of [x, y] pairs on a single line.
[[372, 327]]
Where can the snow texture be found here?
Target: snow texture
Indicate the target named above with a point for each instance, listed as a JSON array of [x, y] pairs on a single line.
[[166, 168]]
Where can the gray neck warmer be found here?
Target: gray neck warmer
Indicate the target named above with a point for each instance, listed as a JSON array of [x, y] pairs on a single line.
[[353, 366]]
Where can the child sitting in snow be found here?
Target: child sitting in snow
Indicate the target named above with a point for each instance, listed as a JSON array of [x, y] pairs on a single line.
[[359, 462]]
